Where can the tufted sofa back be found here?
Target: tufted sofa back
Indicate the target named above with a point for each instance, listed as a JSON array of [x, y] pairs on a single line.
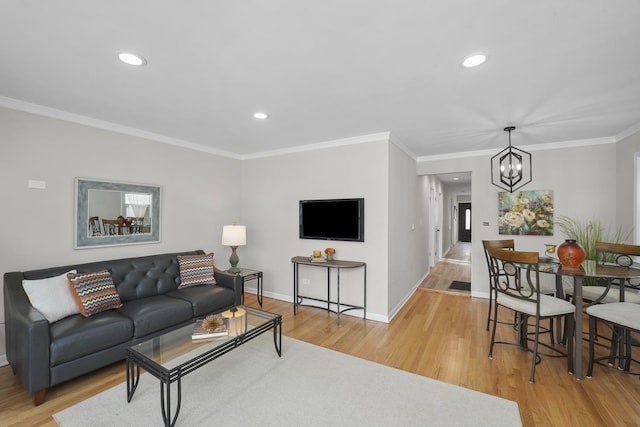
[[134, 277]]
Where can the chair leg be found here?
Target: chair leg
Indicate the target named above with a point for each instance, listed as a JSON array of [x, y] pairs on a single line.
[[490, 306], [532, 379], [617, 345], [493, 332], [592, 344], [569, 321], [627, 347]]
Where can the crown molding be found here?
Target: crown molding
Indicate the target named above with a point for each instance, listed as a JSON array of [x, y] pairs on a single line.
[[41, 110], [375, 137], [628, 132], [536, 147], [395, 141], [363, 139]]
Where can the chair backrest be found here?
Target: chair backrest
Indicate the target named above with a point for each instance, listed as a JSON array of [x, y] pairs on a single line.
[[110, 226], [95, 229], [496, 244], [518, 273], [621, 254], [618, 253]]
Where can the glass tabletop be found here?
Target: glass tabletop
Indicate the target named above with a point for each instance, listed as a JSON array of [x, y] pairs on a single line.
[[174, 348], [589, 268]]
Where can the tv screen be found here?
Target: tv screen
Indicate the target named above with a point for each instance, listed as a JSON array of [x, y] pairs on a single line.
[[333, 219]]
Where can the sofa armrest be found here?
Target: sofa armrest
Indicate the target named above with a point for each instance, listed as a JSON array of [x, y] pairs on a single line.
[[231, 281], [27, 336]]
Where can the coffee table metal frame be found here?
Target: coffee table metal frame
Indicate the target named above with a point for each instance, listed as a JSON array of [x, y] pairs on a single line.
[[136, 360]]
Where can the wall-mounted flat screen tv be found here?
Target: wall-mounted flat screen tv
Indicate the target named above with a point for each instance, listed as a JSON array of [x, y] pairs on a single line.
[[332, 219]]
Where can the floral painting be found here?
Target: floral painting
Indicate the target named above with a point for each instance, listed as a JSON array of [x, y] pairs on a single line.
[[526, 213]]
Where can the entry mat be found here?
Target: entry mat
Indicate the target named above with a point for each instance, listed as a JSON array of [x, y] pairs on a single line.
[[460, 286]]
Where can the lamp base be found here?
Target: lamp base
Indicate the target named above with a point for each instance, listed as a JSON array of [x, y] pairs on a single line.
[[233, 260]]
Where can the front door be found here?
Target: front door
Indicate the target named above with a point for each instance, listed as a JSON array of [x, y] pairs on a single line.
[[464, 222]]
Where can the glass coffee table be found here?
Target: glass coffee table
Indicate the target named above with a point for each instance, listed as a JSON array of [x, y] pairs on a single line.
[[171, 356]]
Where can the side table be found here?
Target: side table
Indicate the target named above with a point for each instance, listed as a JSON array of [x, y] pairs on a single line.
[[247, 275]]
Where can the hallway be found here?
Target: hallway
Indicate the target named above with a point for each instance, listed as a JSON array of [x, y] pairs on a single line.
[[454, 265]]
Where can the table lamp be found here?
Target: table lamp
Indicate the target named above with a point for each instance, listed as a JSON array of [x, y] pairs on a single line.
[[234, 236]]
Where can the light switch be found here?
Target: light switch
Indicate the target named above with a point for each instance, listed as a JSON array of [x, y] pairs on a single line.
[[41, 185]]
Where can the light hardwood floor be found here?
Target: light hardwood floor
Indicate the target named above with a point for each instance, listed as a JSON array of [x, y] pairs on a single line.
[[438, 335], [455, 264]]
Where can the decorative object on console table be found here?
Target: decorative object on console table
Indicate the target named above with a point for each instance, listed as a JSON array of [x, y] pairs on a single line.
[[234, 236], [571, 254], [329, 252]]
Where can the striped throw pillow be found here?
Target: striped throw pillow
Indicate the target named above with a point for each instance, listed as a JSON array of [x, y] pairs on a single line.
[[196, 270], [94, 292]]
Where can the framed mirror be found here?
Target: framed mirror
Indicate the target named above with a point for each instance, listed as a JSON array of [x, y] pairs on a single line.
[[116, 213]]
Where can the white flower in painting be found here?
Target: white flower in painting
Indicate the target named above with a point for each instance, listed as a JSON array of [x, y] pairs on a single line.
[[529, 215], [514, 219]]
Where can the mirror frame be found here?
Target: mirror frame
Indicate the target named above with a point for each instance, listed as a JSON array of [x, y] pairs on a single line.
[[83, 240]]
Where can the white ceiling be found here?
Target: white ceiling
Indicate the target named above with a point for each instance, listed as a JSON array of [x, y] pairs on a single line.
[[559, 70]]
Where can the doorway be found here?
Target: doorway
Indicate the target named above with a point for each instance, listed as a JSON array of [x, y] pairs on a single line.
[[464, 222]]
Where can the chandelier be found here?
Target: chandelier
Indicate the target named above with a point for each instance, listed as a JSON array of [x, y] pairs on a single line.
[[511, 167]]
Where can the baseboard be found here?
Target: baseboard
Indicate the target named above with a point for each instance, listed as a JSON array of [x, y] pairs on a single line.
[[288, 298]]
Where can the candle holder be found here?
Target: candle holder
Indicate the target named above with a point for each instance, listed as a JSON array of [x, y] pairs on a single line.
[[550, 250]]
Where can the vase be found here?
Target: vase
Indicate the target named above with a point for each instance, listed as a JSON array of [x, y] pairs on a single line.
[[571, 254], [329, 257]]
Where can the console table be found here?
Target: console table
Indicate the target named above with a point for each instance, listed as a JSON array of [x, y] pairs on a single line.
[[341, 307]]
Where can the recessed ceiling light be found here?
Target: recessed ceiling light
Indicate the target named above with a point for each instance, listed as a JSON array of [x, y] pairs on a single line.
[[132, 59], [474, 60], [260, 116], [456, 179]]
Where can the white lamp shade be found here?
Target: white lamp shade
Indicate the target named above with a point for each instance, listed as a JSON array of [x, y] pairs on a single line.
[[234, 235]]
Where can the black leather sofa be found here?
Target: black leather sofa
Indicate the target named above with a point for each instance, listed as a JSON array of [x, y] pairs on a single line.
[[43, 354]]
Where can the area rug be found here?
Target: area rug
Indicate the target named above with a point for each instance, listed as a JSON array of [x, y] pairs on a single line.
[[308, 386], [460, 286]]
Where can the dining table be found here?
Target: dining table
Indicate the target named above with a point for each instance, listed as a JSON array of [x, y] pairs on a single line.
[[588, 269]]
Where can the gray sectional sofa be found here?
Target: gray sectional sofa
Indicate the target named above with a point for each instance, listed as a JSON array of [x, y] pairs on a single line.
[[44, 354]]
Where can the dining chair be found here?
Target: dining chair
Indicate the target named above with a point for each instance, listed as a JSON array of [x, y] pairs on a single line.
[[518, 289], [110, 226], [606, 290], [501, 244], [621, 318], [508, 244]]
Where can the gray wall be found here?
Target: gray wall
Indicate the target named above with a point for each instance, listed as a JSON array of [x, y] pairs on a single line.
[[582, 179], [198, 192], [627, 186], [201, 192], [273, 186]]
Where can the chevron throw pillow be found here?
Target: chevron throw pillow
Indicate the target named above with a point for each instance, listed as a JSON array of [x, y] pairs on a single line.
[[94, 292], [196, 270]]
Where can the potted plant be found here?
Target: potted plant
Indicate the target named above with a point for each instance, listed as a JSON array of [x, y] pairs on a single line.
[[588, 233]]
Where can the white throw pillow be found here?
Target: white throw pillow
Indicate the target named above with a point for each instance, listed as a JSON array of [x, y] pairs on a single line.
[[52, 296]]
